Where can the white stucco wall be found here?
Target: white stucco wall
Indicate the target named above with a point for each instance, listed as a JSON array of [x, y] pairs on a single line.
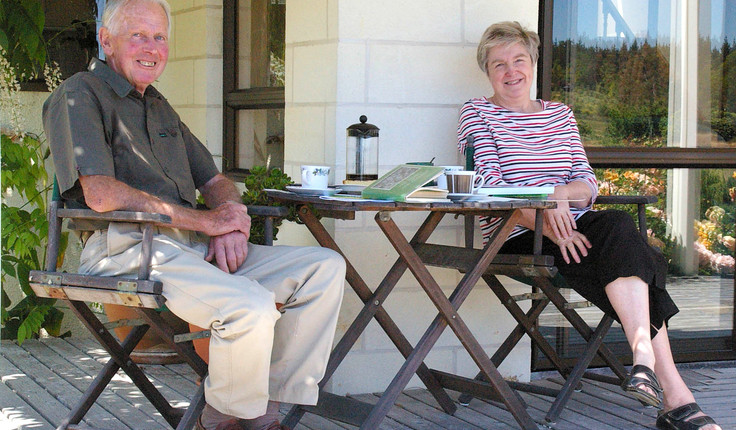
[[192, 81], [408, 66]]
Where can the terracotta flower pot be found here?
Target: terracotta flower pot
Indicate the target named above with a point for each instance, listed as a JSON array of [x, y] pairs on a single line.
[[201, 345], [151, 349]]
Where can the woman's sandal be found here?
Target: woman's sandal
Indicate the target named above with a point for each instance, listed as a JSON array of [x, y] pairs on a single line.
[[677, 419], [631, 385]]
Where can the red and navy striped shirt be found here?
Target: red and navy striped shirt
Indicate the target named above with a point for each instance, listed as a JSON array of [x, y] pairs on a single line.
[[530, 149]]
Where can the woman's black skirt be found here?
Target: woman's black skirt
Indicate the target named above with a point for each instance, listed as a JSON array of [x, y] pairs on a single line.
[[618, 251]]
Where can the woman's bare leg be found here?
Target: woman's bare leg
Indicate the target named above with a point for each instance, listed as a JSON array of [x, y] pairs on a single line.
[[630, 299]]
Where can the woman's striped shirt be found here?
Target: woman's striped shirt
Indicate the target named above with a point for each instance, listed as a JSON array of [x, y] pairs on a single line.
[[530, 149]]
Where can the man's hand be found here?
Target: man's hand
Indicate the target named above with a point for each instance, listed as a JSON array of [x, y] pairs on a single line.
[[573, 244], [229, 250], [227, 217]]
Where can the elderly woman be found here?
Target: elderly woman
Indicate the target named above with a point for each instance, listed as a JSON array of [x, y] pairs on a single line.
[[520, 141]]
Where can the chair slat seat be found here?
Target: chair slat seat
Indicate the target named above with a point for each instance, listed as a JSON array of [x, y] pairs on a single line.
[[113, 290], [142, 295], [111, 283], [511, 265]]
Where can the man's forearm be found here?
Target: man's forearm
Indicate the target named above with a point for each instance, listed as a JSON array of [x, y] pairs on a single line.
[[104, 193], [219, 190]]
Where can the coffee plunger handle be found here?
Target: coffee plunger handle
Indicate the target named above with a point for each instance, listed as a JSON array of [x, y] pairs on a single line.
[[469, 153]]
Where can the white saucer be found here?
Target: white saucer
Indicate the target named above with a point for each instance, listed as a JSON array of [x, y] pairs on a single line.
[[464, 197], [298, 189]]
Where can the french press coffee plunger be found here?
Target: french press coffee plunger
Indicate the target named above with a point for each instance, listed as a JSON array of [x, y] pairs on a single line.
[[362, 151]]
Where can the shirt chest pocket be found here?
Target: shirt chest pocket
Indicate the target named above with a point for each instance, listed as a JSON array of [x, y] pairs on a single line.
[[168, 147]]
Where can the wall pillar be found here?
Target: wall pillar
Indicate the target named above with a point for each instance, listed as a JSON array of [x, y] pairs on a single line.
[[408, 67]]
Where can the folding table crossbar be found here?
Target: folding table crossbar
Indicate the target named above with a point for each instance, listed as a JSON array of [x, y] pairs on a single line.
[[370, 416]]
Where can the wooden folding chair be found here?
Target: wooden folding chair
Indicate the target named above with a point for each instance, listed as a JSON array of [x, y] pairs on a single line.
[[141, 294], [540, 272]]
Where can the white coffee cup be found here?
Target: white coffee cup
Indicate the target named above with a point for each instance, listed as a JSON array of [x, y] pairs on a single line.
[[463, 181], [315, 177], [442, 179]]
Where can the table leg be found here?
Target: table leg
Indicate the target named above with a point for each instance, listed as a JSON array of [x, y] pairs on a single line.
[[373, 309], [448, 316], [527, 322], [580, 325], [525, 325]]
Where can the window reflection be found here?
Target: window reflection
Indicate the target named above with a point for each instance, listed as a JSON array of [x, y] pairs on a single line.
[[261, 138], [713, 224], [632, 78]]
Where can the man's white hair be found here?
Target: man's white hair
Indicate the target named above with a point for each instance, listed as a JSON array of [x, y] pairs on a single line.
[[112, 18]]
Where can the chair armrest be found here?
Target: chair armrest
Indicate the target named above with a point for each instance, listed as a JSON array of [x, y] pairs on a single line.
[[268, 211], [143, 217], [625, 200], [639, 201], [116, 216]]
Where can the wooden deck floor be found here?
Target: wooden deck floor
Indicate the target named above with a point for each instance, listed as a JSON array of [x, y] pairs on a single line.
[[42, 379]]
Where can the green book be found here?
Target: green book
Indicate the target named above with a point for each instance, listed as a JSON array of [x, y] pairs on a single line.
[[404, 183]]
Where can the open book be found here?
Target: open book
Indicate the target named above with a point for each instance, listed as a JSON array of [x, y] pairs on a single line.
[[540, 192], [404, 183]]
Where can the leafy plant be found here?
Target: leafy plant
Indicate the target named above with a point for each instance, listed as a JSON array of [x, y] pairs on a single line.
[[24, 177], [724, 124], [24, 233], [260, 179], [21, 35]]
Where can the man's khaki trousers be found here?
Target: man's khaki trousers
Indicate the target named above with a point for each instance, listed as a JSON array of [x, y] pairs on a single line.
[[256, 353]]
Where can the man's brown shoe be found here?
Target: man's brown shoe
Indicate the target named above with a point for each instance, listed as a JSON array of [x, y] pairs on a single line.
[[233, 424], [277, 426]]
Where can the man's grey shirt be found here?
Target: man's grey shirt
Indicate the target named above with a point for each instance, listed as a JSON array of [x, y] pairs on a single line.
[[97, 123]]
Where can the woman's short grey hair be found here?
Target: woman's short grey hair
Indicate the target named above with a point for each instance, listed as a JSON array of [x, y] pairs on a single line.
[[506, 33], [112, 17]]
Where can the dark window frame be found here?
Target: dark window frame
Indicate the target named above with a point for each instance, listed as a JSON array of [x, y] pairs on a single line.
[[723, 348], [235, 99], [670, 157], [83, 33]]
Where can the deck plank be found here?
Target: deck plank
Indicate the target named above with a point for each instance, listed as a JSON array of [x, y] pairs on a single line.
[[42, 379], [470, 416], [16, 413], [52, 378], [27, 389], [128, 401], [406, 419]]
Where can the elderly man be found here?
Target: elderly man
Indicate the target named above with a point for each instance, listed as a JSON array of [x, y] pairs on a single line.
[[118, 145]]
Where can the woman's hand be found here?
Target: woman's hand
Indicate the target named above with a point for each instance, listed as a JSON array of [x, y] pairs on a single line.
[[575, 243], [560, 220]]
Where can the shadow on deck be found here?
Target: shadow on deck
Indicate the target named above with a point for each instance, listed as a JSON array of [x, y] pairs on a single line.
[[43, 379]]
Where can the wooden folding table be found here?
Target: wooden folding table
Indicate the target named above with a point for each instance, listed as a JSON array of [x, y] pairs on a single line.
[[370, 416]]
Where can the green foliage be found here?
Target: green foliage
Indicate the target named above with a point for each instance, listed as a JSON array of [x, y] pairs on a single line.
[[260, 179], [620, 93], [24, 233], [21, 35], [724, 124], [650, 182]]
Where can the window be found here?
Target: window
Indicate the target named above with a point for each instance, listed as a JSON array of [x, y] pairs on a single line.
[[253, 84], [652, 85], [70, 33]]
